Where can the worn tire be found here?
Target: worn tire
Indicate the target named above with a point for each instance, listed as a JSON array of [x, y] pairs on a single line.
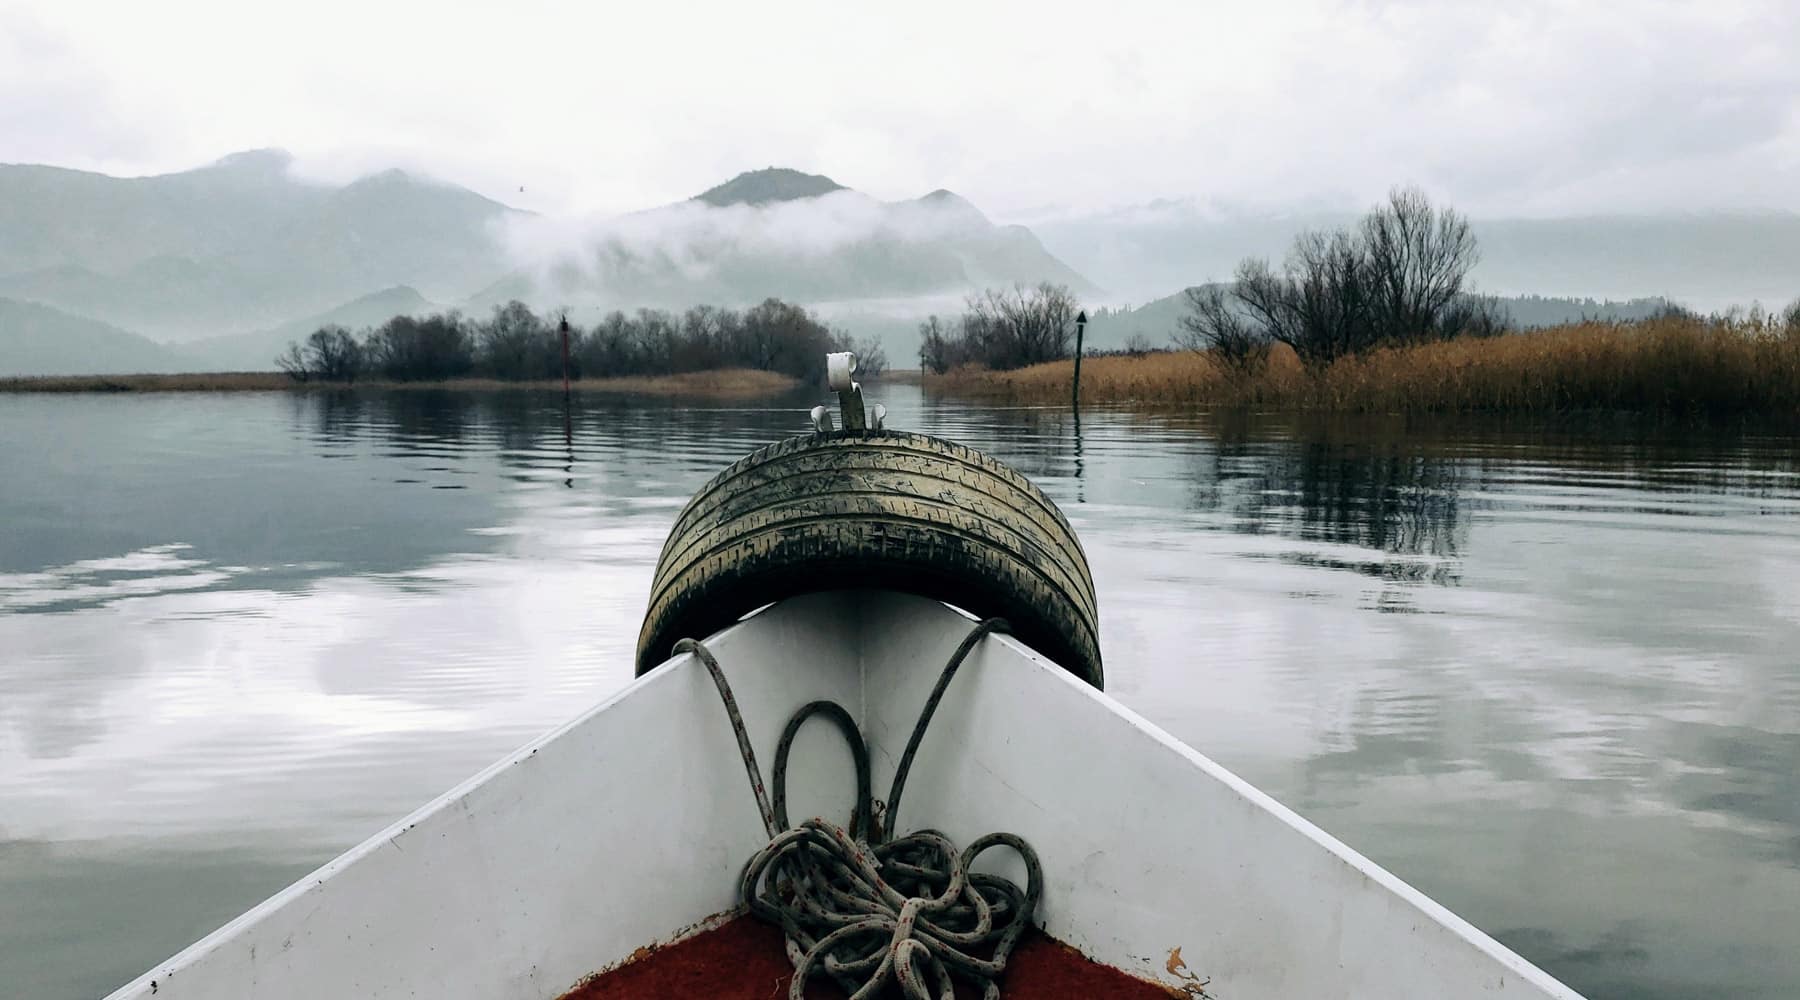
[[876, 509]]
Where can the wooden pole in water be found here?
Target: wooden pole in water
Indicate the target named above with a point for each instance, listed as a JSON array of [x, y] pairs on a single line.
[[564, 327], [568, 409], [1080, 329]]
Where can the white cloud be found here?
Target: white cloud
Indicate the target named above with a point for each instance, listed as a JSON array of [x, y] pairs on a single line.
[[691, 237], [1533, 107]]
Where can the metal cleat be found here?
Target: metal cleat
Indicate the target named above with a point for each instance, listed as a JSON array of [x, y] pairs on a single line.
[[839, 366]]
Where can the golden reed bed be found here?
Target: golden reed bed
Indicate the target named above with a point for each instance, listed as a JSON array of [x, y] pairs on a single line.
[[1675, 365], [731, 383]]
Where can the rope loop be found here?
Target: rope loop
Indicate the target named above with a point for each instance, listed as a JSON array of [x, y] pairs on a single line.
[[870, 910]]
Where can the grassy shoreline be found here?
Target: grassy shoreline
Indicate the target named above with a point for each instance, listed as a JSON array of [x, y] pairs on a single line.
[[729, 383], [1677, 365]]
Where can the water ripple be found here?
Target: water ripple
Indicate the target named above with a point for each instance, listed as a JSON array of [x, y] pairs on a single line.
[[1548, 676]]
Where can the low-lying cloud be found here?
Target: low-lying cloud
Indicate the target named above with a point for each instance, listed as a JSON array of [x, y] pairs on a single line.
[[842, 245]]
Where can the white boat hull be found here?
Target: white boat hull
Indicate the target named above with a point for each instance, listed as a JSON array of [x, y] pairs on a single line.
[[630, 826]]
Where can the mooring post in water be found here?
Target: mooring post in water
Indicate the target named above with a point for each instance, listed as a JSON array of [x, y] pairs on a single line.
[[568, 415], [1080, 328], [564, 328]]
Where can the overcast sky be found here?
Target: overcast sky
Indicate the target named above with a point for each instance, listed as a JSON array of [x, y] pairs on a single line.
[[1525, 107]]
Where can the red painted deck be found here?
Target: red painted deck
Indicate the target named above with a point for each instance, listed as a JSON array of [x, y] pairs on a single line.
[[744, 960]]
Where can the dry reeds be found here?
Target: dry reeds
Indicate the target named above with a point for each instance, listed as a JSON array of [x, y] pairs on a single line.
[[193, 382], [1681, 365], [730, 383], [726, 383]]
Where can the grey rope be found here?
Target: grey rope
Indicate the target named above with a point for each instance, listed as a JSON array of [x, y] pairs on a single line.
[[869, 911]]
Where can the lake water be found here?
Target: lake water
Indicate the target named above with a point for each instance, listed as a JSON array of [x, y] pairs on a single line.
[[1550, 677]]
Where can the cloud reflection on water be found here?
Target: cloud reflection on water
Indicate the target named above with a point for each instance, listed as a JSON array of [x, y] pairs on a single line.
[[250, 624]]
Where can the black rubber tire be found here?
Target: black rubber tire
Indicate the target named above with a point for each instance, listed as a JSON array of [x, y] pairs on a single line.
[[884, 510]]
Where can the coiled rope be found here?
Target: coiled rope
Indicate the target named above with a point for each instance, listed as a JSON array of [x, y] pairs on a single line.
[[869, 911]]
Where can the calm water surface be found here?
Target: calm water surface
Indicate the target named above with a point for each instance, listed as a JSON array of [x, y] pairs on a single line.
[[1549, 678]]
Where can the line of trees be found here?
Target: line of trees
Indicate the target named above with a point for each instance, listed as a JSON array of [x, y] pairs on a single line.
[[1002, 328], [516, 344], [1397, 277]]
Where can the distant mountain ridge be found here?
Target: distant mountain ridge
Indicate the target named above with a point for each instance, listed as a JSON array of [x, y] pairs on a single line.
[[38, 340], [222, 258], [235, 245], [256, 351]]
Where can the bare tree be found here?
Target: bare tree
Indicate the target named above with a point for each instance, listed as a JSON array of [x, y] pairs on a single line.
[[788, 338], [1418, 257], [1330, 278], [1397, 278], [1473, 316], [655, 335], [516, 343], [1269, 299], [937, 347], [422, 348], [334, 355], [1214, 324], [1012, 328], [871, 360], [293, 362], [606, 350], [1318, 304], [702, 338]]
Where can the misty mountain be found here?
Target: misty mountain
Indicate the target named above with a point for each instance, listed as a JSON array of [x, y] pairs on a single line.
[[1707, 261], [802, 237], [240, 244], [759, 187], [52, 217], [256, 351], [38, 340]]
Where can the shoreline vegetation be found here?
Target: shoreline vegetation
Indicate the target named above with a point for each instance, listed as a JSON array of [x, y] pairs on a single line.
[[705, 352], [723, 383], [1373, 318], [515, 344], [1377, 317], [1677, 364]]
